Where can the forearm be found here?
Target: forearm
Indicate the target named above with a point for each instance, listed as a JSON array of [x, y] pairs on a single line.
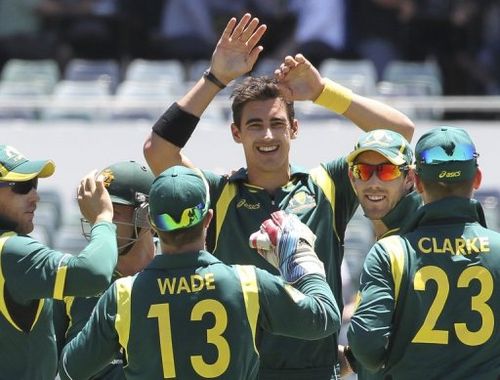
[[367, 114], [370, 114], [90, 272], [318, 293], [163, 147]]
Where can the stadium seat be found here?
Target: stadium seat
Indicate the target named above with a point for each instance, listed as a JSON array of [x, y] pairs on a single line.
[[44, 73], [21, 100], [142, 70], [75, 100], [358, 75], [140, 100], [402, 78], [105, 71]]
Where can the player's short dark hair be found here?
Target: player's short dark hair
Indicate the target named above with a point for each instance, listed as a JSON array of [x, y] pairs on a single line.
[[179, 238], [257, 88]]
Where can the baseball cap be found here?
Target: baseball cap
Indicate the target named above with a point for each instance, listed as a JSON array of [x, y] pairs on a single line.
[[446, 154], [389, 144], [128, 182], [14, 167], [179, 199]]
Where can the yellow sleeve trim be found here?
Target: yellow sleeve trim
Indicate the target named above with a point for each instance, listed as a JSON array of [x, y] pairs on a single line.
[[395, 250], [248, 279], [62, 270], [335, 97]]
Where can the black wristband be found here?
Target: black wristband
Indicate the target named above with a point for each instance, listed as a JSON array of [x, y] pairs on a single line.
[[176, 125], [351, 359], [212, 78]]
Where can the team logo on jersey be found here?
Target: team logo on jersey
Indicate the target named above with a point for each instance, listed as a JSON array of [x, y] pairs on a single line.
[[108, 177], [301, 201]]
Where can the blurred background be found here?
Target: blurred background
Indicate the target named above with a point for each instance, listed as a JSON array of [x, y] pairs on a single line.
[[82, 82]]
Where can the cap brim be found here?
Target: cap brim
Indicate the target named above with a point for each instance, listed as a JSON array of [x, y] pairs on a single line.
[[396, 160], [120, 201], [31, 169]]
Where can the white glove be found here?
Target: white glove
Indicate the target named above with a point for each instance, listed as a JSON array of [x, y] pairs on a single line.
[[288, 244]]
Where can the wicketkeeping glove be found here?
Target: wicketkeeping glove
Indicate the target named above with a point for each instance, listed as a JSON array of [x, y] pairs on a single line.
[[288, 244]]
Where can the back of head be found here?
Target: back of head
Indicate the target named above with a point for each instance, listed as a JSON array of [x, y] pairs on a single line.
[[179, 201], [446, 162], [256, 88]]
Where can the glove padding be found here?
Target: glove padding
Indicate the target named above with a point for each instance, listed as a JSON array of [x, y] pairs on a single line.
[[287, 243]]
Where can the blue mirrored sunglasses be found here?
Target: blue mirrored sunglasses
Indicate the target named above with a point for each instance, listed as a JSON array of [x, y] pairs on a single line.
[[437, 155]]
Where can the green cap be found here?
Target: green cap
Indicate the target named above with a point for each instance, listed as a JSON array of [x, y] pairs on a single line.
[[446, 154], [389, 144], [179, 198], [128, 182], [14, 167]]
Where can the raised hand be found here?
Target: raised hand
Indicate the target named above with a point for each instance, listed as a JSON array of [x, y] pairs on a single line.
[[94, 200], [298, 79], [237, 50]]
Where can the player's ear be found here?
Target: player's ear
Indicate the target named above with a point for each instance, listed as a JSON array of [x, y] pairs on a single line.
[[477, 179], [236, 133], [409, 179]]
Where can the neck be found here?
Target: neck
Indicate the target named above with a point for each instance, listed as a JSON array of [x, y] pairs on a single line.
[[138, 256], [269, 181], [379, 227], [195, 246]]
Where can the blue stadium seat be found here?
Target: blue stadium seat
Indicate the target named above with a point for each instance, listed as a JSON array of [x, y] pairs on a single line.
[[105, 71]]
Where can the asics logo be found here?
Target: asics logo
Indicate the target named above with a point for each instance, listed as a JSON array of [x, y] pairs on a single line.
[[249, 206], [446, 174]]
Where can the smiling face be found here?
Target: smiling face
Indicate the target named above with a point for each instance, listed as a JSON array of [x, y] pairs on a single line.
[[265, 133], [378, 197], [18, 208]]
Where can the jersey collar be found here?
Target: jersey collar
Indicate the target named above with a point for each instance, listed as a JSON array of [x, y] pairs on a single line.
[[242, 174]]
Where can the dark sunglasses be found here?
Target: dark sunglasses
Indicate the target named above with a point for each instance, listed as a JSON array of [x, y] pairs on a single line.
[[385, 172], [21, 187]]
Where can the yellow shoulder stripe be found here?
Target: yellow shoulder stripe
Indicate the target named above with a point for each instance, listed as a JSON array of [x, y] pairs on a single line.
[[321, 177], [3, 306], [248, 279], [227, 195], [123, 288], [395, 249]]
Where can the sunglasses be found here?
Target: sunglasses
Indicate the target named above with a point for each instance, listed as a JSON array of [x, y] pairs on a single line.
[[438, 155], [21, 187], [190, 217], [385, 172]]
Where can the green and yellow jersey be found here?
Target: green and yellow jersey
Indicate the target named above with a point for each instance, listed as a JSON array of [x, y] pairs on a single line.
[[323, 199], [31, 275], [70, 317], [395, 220], [429, 298], [190, 316]]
